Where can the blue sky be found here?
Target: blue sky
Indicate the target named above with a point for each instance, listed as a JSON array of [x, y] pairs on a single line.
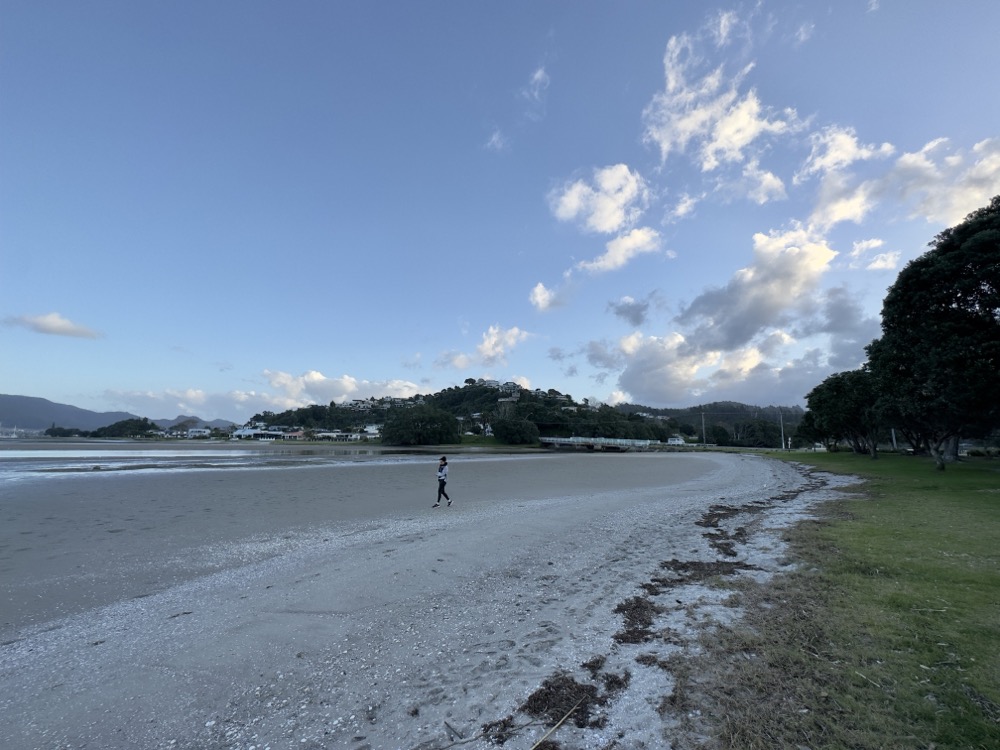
[[229, 207]]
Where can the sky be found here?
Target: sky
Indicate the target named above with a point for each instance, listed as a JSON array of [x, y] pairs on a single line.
[[219, 209]]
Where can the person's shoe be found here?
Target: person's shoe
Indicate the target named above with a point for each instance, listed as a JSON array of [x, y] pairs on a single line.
[[436, 505], [449, 503]]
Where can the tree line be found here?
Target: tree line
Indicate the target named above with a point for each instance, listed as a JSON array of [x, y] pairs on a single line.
[[933, 377]]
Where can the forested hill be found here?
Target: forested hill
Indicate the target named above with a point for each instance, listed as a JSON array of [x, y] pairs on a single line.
[[518, 415], [721, 412]]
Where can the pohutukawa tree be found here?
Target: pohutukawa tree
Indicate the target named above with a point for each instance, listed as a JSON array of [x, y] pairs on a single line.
[[937, 365]]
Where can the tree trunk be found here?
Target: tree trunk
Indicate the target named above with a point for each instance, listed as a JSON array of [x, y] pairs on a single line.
[[939, 452]]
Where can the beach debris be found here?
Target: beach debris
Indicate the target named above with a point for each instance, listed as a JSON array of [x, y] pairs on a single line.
[[692, 571], [499, 731], [639, 614], [560, 695]]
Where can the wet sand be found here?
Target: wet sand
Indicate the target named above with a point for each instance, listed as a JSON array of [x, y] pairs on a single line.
[[316, 606]]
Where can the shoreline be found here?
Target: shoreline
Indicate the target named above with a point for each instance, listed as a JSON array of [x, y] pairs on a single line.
[[394, 622]]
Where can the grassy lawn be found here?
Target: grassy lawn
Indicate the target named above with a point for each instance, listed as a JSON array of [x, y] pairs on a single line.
[[888, 633]]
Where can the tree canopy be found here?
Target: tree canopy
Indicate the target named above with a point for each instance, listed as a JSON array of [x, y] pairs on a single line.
[[933, 373], [936, 365]]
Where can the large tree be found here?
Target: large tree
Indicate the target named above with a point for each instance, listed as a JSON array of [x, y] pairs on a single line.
[[844, 407], [420, 425], [936, 365]]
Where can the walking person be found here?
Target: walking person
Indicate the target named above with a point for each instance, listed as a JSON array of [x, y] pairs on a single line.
[[442, 481]]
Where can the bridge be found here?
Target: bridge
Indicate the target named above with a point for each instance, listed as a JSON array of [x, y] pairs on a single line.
[[598, 444]]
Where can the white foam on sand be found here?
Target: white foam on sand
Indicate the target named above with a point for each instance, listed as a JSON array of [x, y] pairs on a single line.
[[407, 630]]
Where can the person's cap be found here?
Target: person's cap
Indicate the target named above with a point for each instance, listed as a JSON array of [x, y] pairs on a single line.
[[443, 458]]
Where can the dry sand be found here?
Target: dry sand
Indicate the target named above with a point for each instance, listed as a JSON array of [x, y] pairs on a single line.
[[329, 606]]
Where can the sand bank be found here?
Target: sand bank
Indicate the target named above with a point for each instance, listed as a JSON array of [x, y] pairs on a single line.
[[328, 606]]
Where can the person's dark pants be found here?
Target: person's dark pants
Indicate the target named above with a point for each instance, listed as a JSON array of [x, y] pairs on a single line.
[[441, 484]]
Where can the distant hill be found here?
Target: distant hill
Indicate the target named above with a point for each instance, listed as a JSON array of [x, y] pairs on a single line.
[[166, 424], [725, 413], [30, 413]]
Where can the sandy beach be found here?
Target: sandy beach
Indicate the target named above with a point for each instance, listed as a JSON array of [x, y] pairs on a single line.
[[325, 604]]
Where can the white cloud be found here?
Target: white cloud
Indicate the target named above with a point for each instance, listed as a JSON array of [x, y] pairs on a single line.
[[497, 341], [786, 270], [614, 202], [684, 207], [735, 128], [52, 324], [522, 381], [863, 246], [534, 93], [538, 84], [542, 297], [708, 109], [285, 392], [762, 186], [313, 386], [935, 183], [835, 148], [618, 397], [839, 200], [622, 249], [884, 262], [497, 141], [804, 33], [663, 369], [723, 26], [948, 188]]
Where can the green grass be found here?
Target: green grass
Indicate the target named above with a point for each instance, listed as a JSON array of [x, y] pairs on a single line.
[[888, 635]]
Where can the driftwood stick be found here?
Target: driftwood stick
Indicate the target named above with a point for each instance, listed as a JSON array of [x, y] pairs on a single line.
[[549, 733]]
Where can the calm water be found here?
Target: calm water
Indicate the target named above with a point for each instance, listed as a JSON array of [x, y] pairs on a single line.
[[37, 460], [17, 464]]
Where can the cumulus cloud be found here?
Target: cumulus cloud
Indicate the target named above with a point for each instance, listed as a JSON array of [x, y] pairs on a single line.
[[684, 207], [52, 324], [863, 246], [786, 270], [613, 202], [879, 262], [834, 149], [493, 349], [762, 186], [945, 185], [285, 391], [840, 316], [772, 327], [497, 341], [312, 387], [884, 262], [630, 310], [935, 183], [663, 369], [623, 249], [542, 297]]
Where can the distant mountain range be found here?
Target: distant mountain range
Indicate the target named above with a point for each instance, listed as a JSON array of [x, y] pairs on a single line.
[[30, 413]]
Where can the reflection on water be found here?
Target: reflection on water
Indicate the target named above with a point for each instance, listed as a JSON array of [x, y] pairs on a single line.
[[18, 464]]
